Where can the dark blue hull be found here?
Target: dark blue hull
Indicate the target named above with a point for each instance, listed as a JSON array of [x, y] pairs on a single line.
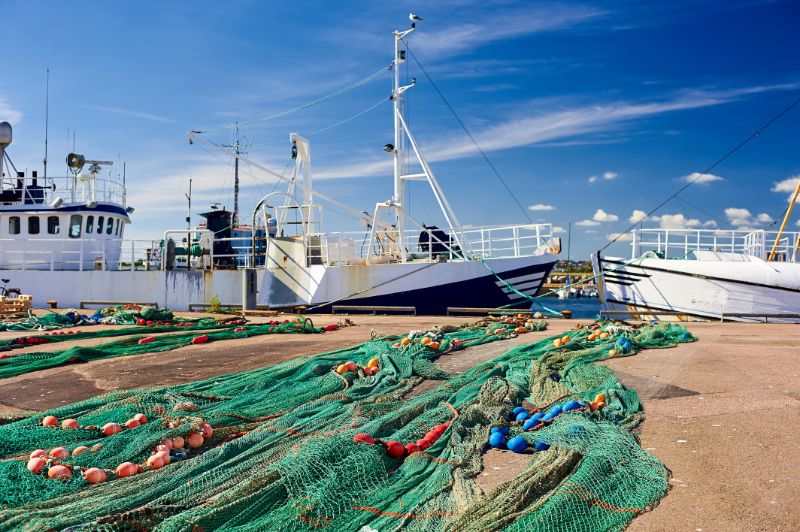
[[482, 292]]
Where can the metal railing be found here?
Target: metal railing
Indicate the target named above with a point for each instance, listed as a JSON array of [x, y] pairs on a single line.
[[684, 243], [69, 189], [507, 241]]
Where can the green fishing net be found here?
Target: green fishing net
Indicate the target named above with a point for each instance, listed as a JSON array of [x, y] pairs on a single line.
[[283, 457]]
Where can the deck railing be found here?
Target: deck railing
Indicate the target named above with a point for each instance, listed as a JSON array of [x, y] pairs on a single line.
[[69, 189], [506, 241], [681, 243]]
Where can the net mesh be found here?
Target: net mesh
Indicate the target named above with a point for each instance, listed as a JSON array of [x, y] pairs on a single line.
[[283, 456], [216, 331]]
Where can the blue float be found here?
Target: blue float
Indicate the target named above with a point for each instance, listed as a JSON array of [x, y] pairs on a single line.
[[517, 410], [530, 423], [497, 440], [517, 444], [522, 416], [502, 430], [539, 445], [571, 405], [537, 417]]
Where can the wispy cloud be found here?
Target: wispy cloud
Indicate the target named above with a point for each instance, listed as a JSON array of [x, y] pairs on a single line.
[[8, 113], [531, 128], [129, 112], [484, 28], [541, 207]]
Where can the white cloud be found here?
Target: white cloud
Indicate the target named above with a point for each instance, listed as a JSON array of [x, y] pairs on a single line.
[[620, 237], [592, 179], [709, 223], [763, 218], [701, 179], [788, 185], [677, 221], [558, 229], [637, 216], [738, 216], [541, 207], [8, 113], [501, 24], [602, 216], [587, 223], [608, 176]]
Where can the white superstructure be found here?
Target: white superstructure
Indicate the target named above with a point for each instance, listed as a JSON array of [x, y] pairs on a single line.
[[59, 223]]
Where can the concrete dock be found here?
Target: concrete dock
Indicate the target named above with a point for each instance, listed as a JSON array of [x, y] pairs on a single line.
[[723, 413]]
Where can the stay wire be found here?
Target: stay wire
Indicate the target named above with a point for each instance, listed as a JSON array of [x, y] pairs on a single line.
[[312, 103], [464, 127], [719, 161]]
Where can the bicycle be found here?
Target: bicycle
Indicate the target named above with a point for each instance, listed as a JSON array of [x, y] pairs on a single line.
[[10, 293]]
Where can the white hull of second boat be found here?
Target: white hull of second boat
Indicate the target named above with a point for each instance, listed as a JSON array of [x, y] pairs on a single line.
[[730, 287]]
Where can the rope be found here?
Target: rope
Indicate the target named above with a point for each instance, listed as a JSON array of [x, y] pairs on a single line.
[[312, 103], [526, 296], [719, 161]]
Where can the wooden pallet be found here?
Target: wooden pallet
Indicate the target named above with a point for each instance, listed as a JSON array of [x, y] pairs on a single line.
[[16, 307]]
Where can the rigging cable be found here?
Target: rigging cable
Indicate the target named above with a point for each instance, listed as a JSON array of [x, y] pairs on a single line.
[[312, 103], [464, 127], [719, 161]]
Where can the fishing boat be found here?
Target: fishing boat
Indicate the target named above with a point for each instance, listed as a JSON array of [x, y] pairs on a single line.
[[389, 261], [69, 223], [704, 273]]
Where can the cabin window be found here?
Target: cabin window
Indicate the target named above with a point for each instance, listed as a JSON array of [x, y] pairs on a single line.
[[110, 226], [89, 224], [100, 220], [13, 225], [75, 222], [121, 229], [52, 225], [33, 225], [116, 232]]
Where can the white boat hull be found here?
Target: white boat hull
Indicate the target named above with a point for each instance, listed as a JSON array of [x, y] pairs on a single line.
[[429, 287], [747, 289]]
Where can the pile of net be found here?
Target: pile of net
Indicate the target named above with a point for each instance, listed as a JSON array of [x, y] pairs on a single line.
[[119, 315], [133, 314], [137, 343], [283, 447]]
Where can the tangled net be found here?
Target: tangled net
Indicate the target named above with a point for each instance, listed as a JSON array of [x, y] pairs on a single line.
[[136, 343], [283, 457]]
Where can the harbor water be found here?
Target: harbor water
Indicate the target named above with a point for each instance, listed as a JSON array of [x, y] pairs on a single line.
[[581, 307]]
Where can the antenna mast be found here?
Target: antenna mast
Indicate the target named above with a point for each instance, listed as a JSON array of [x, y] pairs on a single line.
[[237, 147], [46, 119], [189, 197]]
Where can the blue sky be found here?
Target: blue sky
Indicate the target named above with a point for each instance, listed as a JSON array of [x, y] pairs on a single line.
[[590, 111]]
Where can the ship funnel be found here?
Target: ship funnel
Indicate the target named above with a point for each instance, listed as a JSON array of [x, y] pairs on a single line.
[[5, 140]]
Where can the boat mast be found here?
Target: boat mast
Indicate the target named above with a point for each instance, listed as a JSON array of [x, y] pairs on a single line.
[[397, 109]]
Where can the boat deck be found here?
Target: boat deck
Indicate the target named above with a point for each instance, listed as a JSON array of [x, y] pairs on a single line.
[[723, 413]]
